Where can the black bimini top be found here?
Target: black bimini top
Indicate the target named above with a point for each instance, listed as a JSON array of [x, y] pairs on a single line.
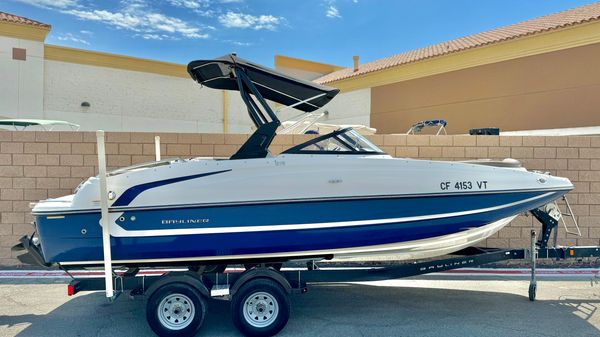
[[220, 73]]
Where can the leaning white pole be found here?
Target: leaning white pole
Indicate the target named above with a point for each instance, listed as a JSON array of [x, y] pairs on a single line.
[[157, 147], [104, 213]]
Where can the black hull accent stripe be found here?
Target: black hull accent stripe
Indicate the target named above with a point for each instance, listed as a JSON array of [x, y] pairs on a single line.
[[131, 193]]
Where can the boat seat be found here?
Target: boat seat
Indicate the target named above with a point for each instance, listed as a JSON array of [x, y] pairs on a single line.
[[507, 162]]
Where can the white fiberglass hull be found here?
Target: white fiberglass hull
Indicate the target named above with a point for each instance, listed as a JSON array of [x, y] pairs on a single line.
[[291, 207]]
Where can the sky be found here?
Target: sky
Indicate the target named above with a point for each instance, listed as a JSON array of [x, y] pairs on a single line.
[[328, 31]]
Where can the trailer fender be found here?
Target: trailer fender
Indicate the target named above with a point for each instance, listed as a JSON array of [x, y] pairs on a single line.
[[189, 278], [266, 273]]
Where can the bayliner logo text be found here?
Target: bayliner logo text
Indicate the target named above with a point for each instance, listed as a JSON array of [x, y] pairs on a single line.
[[183, 221]]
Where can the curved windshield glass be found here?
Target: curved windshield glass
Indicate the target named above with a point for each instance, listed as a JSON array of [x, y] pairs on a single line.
[[341, 141]]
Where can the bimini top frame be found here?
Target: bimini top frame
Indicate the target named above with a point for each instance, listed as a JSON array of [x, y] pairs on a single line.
[[257, 84]]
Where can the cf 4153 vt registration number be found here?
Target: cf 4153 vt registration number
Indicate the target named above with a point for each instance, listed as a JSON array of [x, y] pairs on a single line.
[[463, 185]]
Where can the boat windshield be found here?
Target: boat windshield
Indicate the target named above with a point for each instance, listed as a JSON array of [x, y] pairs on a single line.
[[347, 141]]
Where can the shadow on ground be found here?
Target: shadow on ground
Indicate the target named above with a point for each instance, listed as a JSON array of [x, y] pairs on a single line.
[[341, 310]]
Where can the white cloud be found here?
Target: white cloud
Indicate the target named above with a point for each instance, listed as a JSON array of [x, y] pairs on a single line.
[[121, 20], [241, 20], [143, 18], [239, 43], [51, 3], [138, 18], [331, 9], [206, 8], [153, 36], [332, 12], [72, 38], [191, 4], [133, 15]]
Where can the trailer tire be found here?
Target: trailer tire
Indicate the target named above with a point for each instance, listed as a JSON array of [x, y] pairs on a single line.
[[176, 310], [532, 291], [260, 308]]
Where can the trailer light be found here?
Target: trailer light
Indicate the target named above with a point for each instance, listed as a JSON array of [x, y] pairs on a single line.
[[70, 290]]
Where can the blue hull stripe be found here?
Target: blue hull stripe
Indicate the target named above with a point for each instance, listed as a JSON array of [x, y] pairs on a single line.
[[62, 240]]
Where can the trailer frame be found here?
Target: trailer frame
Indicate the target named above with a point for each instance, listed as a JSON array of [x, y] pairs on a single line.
[[226, 285]]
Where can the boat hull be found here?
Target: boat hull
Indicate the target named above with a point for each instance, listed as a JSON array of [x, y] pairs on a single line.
[[410, 227]]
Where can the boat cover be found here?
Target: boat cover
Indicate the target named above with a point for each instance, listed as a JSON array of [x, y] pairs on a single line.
[[31, 122], [272, 85]]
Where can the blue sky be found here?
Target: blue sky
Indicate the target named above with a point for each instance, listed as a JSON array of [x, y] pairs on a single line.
[[329, 31]]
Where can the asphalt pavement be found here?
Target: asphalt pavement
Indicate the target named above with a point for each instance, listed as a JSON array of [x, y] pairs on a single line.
[[407, 307]]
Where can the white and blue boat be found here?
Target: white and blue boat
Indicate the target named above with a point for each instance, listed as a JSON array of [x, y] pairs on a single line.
[[337, 195]]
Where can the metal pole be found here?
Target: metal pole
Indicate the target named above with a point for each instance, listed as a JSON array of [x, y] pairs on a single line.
[[533, 282], [225, 112], [104, 221], [157, 147]]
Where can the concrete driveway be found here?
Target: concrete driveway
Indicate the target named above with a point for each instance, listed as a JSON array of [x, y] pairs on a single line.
[[408, 307]]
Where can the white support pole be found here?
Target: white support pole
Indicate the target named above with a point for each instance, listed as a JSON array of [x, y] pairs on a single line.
[[105, 222], [157, 147]]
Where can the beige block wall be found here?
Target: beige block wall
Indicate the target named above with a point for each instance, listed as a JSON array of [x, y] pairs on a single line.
[[39, 165]]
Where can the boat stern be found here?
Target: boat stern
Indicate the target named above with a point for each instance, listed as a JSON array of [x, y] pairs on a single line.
[[31, 245]]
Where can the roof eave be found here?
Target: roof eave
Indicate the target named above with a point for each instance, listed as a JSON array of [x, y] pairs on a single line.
[[565, 37], [24, 31]]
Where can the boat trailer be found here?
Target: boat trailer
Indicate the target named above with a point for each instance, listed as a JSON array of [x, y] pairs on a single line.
[[259, 294]]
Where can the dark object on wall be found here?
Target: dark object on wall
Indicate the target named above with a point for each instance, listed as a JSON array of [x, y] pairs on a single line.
[[485, 132], [85, 104], [19, 54]]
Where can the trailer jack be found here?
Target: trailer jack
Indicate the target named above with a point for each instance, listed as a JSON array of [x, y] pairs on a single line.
[[549, 216]]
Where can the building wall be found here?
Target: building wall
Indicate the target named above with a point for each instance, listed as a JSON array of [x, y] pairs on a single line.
[[40, 165], [123, 100], [305, 69], [128, 100], [346, 108], [238, 120], [350, 108], [21, 82], [552, 90], [300, 73]]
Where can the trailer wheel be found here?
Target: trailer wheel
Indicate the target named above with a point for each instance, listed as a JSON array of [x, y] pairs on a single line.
[[532, 291], [261, 307], [176, 309]]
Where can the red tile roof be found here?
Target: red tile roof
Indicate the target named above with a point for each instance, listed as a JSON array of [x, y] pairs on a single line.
[[6, 17], [558, 20]]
